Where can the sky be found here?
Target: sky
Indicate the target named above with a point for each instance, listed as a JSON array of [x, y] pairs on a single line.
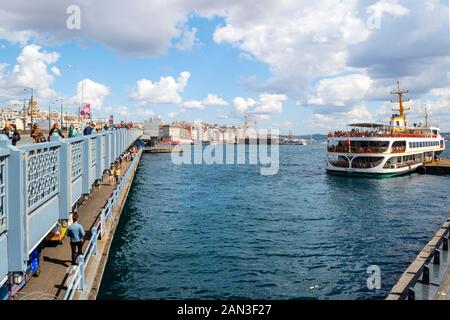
[[306, 66]]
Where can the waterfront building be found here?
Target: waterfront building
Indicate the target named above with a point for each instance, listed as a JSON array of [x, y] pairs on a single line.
[[176, 133], [151, 127]]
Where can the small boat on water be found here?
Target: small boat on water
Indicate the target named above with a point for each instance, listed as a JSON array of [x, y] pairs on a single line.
[[384, 150]]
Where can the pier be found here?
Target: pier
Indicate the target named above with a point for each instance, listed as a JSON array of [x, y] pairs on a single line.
[[439, 167], [428, 277], [41, 186]]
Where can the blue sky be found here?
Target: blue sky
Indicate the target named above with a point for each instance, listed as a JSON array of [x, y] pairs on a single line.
[[306, 66]]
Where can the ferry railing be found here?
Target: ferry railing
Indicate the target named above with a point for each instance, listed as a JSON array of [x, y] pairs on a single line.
[[379, 134], [419, 272], [77, 283]]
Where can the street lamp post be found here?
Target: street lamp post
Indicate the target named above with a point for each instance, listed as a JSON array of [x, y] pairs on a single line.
[[82, 88], [49, 114], [31, 105], [62, 112], [24, 114]]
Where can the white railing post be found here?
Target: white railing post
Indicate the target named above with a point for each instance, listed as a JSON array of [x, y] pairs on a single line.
[[94, 240], [80, 262]]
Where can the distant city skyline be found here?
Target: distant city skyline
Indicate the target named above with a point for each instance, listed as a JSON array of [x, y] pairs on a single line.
[[209, 61]]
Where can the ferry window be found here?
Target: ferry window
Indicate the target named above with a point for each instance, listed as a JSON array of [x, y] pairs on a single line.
[[399, 146], [369, 146], [392, 163], [366, 162], [339, 161]]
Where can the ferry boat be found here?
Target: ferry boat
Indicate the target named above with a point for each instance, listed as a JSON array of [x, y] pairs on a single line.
[[384, 150]]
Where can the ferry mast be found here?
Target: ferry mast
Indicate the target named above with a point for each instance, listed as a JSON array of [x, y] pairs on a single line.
[[400, 101]]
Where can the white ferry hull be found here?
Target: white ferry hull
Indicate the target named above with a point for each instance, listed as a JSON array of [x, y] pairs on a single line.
[[373, 172]]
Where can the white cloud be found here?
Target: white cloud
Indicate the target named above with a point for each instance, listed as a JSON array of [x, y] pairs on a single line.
[[15, 37], [173, 114], [122, 111], [94, 93], [228, 34], [151, 26], [192, 104], [340, 91], [210, 100], [332, 121], [298, 42], [31, 71], [188, 39], [55, 71], [166, 91], [267, 104], [307, 44], [391, 7], [242, 105], [270, 103], [214, 100]]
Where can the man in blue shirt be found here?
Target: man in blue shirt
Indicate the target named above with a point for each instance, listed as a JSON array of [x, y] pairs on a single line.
[[76, 234], [89, 129]]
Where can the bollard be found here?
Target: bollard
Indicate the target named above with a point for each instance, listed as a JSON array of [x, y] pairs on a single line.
[[445, 244], [411, 294], [426, 275], [80, 262], [437, 257]]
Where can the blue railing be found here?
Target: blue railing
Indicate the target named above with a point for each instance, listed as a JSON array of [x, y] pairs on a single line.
[[77, 282], [41, 184]]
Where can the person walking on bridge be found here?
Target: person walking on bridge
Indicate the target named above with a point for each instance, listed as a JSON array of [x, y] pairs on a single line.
[[15, 135], [10, 130], [37, 135], [117, 172], [55, 129], [76, 234], [89, 129], [72, 133]]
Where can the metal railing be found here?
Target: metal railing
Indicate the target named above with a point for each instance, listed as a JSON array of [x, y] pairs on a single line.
[[40, 184], [77, 282], [419, 271]]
